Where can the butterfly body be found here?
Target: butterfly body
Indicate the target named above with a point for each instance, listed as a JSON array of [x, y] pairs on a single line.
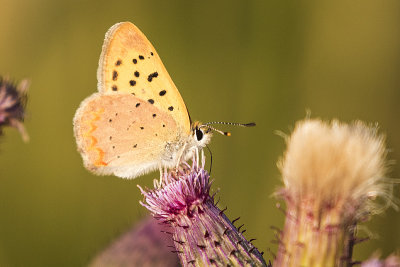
[[137, 122]]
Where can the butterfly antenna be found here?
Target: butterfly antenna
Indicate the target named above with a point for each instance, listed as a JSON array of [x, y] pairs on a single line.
[[216, 130], [209, 150], [251, 124]]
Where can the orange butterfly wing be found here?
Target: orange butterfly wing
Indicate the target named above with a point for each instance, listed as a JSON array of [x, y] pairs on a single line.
[[138, 120], [123, 135], [130, 64]]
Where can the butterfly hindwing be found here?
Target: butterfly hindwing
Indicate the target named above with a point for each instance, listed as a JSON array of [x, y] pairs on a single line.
[[130, 64], [117, 132]]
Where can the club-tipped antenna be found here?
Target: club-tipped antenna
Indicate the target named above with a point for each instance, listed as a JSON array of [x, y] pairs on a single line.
[[216, 130], [251, 124]]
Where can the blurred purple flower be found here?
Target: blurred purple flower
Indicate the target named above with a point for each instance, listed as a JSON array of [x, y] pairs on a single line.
[[391, 261], [12, 105], [144, 245]]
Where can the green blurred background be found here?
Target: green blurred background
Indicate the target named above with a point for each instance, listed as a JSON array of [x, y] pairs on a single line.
[[262, 61]]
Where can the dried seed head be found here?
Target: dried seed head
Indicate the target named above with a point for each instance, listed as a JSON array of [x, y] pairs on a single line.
[[331, 162], [332, 173]]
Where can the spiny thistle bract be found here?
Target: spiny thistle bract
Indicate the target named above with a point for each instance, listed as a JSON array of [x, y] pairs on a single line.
[[203, 235], [12, 105]]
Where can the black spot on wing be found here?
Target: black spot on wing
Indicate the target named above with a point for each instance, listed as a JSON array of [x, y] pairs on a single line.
[[137, 105], [141, 57], [137, 74], [119, 62], [114, 88], [134, 61], [132, 82], [171, 108], [162, 93], [151, 53], [154, 115], [115, 75], [141, 128], [152, 75], [151, 101], [135, 146]]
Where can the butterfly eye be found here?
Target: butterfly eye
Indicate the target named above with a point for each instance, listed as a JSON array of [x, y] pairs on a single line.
[[199, 134]]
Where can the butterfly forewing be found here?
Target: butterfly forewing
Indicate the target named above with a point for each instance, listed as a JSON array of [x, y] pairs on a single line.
[[130, 64]]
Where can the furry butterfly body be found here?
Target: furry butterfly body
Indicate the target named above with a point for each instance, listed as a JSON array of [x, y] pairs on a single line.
[[137, 122]]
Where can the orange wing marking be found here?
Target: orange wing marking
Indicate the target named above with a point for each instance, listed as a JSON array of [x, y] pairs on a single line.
[[93, 141]]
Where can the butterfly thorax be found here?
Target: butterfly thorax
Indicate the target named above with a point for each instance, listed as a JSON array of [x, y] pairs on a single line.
[[184, 146]]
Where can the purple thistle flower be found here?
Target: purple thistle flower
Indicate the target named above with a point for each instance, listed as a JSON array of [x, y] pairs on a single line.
[[143, 245], [391, 261], [12, 105], [203, 235]]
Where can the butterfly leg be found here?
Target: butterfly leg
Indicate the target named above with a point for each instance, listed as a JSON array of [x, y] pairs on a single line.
[[158, 184], [180, 157]]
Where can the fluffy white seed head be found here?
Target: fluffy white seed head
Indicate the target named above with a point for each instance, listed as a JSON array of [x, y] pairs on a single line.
[[335, 162]]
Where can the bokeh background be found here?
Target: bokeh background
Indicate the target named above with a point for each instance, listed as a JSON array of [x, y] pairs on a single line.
[[265, 61]]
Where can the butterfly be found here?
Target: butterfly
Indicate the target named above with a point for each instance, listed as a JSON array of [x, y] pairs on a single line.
[[137, 122]]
